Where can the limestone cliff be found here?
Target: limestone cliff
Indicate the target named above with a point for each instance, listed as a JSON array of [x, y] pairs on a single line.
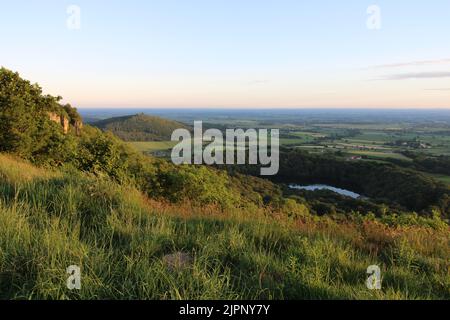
[[66, 123]]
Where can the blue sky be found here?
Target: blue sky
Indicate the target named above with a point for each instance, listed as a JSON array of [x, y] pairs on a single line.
[[232, 53]]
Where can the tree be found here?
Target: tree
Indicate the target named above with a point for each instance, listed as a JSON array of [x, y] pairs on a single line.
[[25, 125]]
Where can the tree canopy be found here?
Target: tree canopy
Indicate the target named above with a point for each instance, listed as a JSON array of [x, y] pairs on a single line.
[[25, 125]]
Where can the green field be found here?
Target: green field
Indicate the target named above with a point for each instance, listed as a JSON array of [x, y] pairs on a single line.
[[441, 177], [157, 146], [377, 141], [379, 154], [294, 142], [152, 146]]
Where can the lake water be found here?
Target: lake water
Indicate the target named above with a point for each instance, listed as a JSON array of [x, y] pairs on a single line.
[[315, 187]]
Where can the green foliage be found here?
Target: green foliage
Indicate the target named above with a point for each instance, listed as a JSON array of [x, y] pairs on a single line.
[[199, 184], [101, 154], [72, 113], [25, 126], [58, 149], [295, 209], [14, 137], [433, 164], [413, 219]]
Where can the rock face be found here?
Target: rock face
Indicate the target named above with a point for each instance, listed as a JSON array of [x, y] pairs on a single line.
[[54, 117], [78, 125], [65, 123], [178, 260], [61, 120]]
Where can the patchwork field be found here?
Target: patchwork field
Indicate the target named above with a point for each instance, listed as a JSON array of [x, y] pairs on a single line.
[[378, 142]]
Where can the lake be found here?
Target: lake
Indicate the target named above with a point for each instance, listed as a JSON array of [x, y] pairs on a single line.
[[315, 187]]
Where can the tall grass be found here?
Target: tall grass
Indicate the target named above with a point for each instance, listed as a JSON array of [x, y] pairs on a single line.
[[51, 220]]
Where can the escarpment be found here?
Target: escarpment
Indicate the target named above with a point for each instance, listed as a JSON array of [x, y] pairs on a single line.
[[67, 118]]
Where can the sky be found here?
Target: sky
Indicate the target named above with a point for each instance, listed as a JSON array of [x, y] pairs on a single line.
[[232, 53]]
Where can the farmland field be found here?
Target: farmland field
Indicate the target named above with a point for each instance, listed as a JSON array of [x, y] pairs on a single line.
[[152, 146], [378, 141], [379, 154]]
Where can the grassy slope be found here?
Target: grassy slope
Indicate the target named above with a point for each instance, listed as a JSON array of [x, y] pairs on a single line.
[[50, 220]]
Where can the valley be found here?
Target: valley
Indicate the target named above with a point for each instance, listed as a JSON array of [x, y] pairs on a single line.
[[354, 138]]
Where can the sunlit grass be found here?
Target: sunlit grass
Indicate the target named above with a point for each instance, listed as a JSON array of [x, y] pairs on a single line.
[[119, 238]]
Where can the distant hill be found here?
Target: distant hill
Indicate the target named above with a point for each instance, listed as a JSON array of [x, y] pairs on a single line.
[[140, 127]]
